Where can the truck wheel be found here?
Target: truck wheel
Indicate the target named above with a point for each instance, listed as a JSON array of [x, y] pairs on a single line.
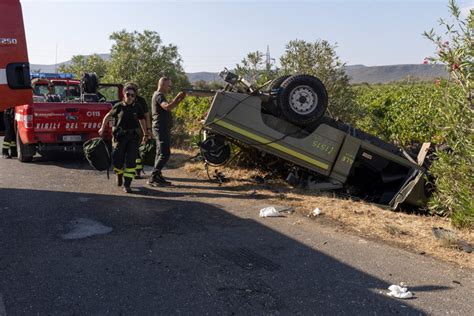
[[302, 99], [274, 89], [25, 152], [215, 150]]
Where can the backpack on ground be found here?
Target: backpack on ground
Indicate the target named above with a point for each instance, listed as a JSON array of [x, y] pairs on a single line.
[[148, 152], [97, 153]]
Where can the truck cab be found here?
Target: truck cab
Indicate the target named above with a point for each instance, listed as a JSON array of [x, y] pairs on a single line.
[[65, 113]]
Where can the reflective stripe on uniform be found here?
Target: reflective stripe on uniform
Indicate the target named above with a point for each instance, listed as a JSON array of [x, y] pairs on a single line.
[[12, 144], [6, 144], [118, 171], [129, 173], [139, 165]]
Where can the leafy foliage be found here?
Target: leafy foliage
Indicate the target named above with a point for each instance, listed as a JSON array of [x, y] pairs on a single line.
[[256, 69], [81, 64], [454, 168], [143, 59]]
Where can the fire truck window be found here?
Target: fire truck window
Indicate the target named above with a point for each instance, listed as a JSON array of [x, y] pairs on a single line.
[[18, 76]]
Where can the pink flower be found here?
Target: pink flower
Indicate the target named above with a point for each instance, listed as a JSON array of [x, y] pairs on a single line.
[[437, 82], [454, 66], [425, 61]]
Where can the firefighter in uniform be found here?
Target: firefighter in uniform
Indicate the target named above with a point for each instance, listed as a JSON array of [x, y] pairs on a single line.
[[128, 120], [9, 144], [144, 106]]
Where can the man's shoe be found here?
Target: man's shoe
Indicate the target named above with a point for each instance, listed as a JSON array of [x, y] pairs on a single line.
[[6, 156], [127, 189], [162, 181], [119, 180], [158, 181], [152, 182]]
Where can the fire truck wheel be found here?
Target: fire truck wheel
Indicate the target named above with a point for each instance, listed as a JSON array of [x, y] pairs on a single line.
[[25, 152], [302, 99]]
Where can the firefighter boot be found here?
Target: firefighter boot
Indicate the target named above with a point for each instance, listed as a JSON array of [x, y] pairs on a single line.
[[119, 179], [126, 185], [5, 153]]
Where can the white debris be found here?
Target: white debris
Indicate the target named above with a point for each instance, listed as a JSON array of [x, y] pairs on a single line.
[[84, 227], [269, 211], [275, 211], [399, 292], [316, 212]]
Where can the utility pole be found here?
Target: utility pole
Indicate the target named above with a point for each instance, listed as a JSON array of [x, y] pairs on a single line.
[[56, 60]]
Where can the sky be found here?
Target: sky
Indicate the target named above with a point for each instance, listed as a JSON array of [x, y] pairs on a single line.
[[211, 35]]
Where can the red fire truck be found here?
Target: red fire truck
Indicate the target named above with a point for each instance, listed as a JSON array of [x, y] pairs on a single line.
[[46, 120]]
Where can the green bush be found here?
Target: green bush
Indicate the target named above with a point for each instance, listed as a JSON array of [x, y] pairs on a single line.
[[188, 118]]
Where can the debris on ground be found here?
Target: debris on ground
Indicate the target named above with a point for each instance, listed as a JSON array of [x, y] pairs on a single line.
[[275, 211], [315, 212], [449, 239], [399, 292], [258, 179]]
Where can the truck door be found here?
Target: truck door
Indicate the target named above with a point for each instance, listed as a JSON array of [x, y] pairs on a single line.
[[15, 84]]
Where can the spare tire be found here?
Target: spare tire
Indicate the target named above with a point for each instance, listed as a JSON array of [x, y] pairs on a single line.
[[90, 82], [274, 89], [302, 99]]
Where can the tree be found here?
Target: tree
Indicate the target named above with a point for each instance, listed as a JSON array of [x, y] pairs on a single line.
[[143, 59], [320, 60], [80, 64], [454, 168], [255, 68]]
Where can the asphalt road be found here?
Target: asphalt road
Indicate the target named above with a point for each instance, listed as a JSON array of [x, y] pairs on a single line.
[[193, 249]]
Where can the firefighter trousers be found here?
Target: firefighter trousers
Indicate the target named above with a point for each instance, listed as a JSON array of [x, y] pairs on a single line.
[[124, 156], [9, 143]]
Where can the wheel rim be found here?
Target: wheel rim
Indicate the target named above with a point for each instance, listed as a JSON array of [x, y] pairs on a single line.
[[303, 100], [215, 151]]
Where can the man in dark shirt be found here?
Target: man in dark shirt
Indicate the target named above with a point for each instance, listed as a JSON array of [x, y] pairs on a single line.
[[128, 119], [162, 122], [144, 106]]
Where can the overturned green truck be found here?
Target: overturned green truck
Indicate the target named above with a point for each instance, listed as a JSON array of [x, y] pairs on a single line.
[[287, 120]]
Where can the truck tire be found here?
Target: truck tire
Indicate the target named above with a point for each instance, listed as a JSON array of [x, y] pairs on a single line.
[[25, 152], [215, 150], [89, 82], [274, 89], [302, 99]]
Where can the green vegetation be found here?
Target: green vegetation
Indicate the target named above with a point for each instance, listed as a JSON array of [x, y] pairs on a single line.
[[407, 113]]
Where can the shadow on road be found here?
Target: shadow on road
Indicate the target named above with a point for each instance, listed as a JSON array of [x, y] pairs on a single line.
[[167, 257]]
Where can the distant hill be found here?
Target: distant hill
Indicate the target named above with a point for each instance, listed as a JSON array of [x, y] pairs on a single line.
[[386, 74], [53, 68], [357, 73]]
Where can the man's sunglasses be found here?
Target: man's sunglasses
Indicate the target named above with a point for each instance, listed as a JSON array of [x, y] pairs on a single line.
[[131, 95]]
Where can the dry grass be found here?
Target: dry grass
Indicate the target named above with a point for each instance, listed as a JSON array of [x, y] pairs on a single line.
[[409, 231]]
